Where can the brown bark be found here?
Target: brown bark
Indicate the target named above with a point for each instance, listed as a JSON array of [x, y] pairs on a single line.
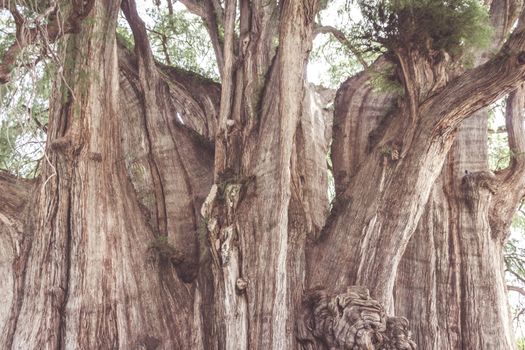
[[174, 213], [462, 266], [380, 205]]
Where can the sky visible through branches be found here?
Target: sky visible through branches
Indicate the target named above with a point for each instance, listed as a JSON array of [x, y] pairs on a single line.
[[181, 40]]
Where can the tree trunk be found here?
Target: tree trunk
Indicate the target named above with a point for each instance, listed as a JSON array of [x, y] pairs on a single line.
[[455, 259], [176, 213]]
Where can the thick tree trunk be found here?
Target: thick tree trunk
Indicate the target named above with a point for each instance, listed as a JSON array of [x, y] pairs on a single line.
[[93, 276], [455, 259], [174, 213]]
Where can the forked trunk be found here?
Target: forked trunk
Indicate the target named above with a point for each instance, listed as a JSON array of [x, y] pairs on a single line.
[[176, 213]]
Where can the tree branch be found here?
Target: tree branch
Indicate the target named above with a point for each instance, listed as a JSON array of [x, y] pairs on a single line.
[[340, 36], [49, 32], [516, 289], [516, 132], [229, 61], [197, 96], [511, 181], [516, 275], [212, 14], [214, 19], [195, 7], [478, 87]]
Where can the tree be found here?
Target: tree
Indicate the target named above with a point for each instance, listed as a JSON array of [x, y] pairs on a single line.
[[174, 212]]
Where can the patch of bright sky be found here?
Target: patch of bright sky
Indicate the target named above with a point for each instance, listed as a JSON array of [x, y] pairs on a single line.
[[338, 16], [335, 15]]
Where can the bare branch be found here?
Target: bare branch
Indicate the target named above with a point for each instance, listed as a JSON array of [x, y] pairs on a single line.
[[340, 36], [52, 31], [516, 289]]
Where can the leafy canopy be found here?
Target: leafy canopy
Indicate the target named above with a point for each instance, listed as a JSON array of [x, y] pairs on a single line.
[[453, 26]]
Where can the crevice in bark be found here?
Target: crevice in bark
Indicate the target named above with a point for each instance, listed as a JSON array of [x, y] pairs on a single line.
[[62, 307], [15, 243]]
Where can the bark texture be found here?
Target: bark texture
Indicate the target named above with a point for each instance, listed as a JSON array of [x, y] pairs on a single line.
[[173, 212]]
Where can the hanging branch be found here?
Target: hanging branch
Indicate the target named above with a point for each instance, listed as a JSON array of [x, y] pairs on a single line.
[[49, 33]]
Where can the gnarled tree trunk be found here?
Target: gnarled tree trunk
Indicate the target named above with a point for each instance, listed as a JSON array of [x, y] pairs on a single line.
[[176, 213]]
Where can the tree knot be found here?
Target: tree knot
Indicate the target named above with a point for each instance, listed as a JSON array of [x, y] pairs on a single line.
[[351, 320]]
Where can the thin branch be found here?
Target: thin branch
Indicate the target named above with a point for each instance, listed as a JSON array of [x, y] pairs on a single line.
[[340, 36], [164, 44], [516, 289], [170, 7], [511, 181], [516, 275], [219, 11], [52, 31], [214, 20]]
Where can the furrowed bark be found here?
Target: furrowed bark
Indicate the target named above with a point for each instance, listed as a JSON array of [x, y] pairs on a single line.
[[379, 209], [175, 213], [181, 170], [90, 281], [464, 253], [15, 195], [255, 216], [460, 272]]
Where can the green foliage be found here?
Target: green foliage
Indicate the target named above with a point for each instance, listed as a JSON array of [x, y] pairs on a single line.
[[499, 153], [331, 62], [515, 256], [181, 39], [521, 343], [453, 26], [23, 116], [386, 81]]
